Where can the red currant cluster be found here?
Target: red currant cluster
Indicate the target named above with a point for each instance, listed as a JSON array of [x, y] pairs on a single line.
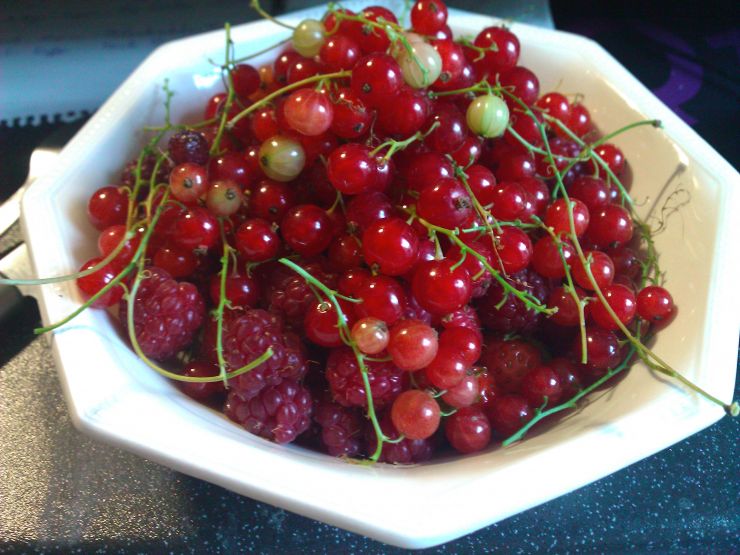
[[383, 239]]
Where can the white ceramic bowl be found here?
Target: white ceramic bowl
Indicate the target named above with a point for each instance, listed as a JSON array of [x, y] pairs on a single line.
[[114, 397]]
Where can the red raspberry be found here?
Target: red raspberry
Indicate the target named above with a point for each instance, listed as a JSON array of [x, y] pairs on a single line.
[[465, 317], [513, 315], [167, 314], [341, 429], [248, 334], [290, 296], [509, 361], [279, 413], [347, 387], [128, 175], [406, 451], [412, 310]]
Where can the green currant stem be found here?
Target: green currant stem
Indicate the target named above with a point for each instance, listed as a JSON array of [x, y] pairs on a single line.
[[394, 146], [481, 51], [199, 125], [530, 301], [480, 86], [255, 5], [571, 403], [571, 290], [359, 356], [68, 277], [222, 300], [215, 147], [297, 85]]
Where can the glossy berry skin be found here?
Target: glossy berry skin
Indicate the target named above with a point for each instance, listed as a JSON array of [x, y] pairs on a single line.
[[654, 304], [107, 206], [509, 201], [558, 219], [580, 120], [339, 52], [256, 241], [611, 226], [464, 394], [524, 84], [177, 261], [426, 169], [445, 203], [439, 288], [415, 414], [201, 391], [428, 16], [514, 249], [539, 383], [621, 300], [233, 166], [508, 413], [405, 115], [506, 52], [547, 260], [613, 157], [391, 245], [246, 80], [309, 111], [465, 341], [240, 290], [352, 170], [376, 78], [321, 324], [371, 335], [108, 241], [602, 270], [282, 158], [345, 252], [306, 229], [373, 39], [365, 209], [352, 118], [447, 369], [451, 129], [90, 285], [382, 298], [412, 345], [602, 349], [592, 191], [555, 105], [468, 430], [224, 198], [482, 182], [567, 314], [196, 229], [188, 183], [570, 380], [270, 200]]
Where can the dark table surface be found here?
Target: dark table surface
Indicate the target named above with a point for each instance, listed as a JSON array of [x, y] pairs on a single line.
[[63, 492]]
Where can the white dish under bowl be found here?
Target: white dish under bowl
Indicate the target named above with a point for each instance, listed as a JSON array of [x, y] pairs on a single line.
[[113, 396]]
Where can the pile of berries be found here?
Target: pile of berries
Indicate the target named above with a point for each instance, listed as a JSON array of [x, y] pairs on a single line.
[[418, 243]]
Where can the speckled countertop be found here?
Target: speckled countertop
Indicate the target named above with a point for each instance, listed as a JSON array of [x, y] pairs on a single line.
[[63, 492]]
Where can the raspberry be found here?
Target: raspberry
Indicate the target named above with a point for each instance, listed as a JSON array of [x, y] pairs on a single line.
[[341, 429], [290, 296], [347, 387], [280, 413], [128, 175], [167, 314], [188, 146], [406, 451], [248, 334], [513, 315], [465, 317], [509, 361], [412, 310]]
